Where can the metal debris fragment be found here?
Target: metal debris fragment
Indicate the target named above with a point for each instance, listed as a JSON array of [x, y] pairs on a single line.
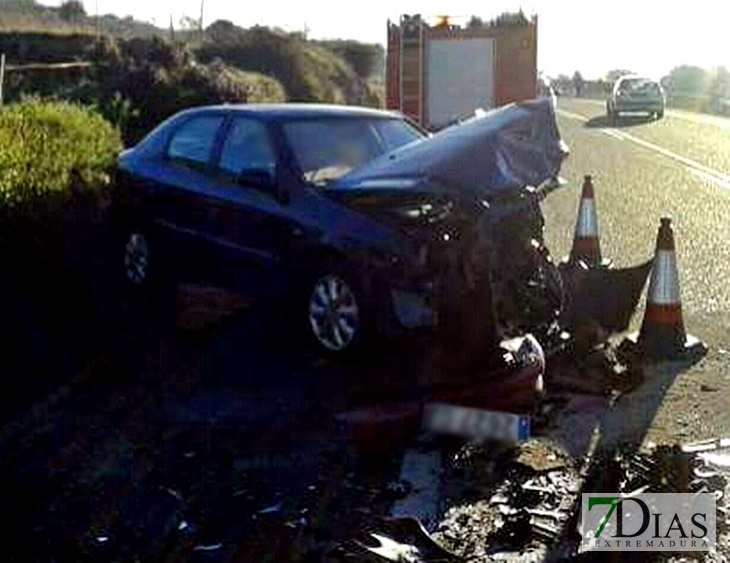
[[208, 548], [274, 508]]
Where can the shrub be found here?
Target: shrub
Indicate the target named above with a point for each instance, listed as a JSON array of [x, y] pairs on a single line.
[[55, 159], [53, 148], [308, 72]]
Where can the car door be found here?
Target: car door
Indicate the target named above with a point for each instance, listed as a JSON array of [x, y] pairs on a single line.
[[177, 184], [250, 224]]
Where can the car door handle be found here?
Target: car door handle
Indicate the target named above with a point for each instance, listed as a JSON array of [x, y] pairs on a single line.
[[297, 232]]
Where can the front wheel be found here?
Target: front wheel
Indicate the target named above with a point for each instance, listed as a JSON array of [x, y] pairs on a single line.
[[335, 313]]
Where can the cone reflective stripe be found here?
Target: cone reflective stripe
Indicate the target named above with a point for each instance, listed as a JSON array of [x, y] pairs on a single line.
[[664, 297], [662, 332], [586, 246]]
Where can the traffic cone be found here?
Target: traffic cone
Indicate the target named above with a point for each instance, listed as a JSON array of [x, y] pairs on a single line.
[[586, 246], [662, 333]]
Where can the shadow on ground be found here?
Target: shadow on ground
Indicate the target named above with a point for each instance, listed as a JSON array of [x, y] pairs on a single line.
[[629, 421], [624, 121]]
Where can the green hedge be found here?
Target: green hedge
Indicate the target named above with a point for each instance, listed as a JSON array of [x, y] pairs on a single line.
[[52, 149], [56, 244]]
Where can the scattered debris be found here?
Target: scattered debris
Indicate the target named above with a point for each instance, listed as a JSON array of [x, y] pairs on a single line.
[[529, 491], [272, 509], [604, 371], [209, 548], [397, 490]]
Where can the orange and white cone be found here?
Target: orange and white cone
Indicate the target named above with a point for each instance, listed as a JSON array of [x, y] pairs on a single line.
[[586, 245], [662, 333]]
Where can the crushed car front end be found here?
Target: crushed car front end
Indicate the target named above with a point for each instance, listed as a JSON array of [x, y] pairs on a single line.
[[464, 199]]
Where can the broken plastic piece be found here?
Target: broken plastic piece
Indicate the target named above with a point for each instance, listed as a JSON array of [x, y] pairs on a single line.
[[272, 509], [208, 548], [717, 459]]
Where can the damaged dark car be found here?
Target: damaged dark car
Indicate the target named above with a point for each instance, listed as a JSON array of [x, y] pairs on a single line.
[[366, 223]]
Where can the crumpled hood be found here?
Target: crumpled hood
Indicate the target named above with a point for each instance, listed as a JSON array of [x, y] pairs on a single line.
[[504, 149]]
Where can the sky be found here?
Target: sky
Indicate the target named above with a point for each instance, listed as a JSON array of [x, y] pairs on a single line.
[[646, 36]]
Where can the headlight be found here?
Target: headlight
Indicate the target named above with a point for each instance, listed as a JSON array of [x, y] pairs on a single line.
[[530, 353]]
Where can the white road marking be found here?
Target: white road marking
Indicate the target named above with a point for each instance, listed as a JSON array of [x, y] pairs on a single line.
[[703, 119], [679, 158], [613, 133], [710, 178], [572, 115], [695, 117], [705, 172]]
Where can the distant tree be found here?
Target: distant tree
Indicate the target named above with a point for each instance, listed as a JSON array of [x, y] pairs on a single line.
[[613, 75], [510, 19], [722, 82], [578, 83], [475, 22], [366, 59], [19, 6], [687, 80], [223, 31], [189, 24], [562, 84], [72, 10]]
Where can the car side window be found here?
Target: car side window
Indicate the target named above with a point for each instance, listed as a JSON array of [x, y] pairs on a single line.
[[247, 147], [193, 142]]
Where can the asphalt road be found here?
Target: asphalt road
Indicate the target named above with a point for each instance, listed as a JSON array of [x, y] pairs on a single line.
[[645, 169]]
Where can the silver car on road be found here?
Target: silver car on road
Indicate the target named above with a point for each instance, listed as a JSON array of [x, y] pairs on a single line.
[[636, 94]]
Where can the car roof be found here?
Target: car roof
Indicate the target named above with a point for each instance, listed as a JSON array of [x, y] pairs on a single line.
[[635, 77], [289, 111]]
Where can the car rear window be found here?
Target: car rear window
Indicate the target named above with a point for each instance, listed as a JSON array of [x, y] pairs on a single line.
[[639, 85], [193, 142]]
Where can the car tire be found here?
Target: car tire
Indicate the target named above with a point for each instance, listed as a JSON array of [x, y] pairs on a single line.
[[142, 271], [338, 319], [136, 258], [660, 114]]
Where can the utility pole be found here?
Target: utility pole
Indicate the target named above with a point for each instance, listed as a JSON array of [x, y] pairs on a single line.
[[98, 21], [200, 23], [2, 76]]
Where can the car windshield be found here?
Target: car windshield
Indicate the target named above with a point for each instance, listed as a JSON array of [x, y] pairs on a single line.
[[327, 149]]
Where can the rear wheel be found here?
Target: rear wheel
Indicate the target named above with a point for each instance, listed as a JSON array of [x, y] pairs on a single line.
[[660, 114], [136, 258], [145, 282]]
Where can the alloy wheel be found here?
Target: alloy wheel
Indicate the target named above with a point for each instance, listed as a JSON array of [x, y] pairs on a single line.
[[136, 258], [334, 314]]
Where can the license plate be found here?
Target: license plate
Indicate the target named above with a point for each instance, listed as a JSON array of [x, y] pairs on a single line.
[[470, 423]]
